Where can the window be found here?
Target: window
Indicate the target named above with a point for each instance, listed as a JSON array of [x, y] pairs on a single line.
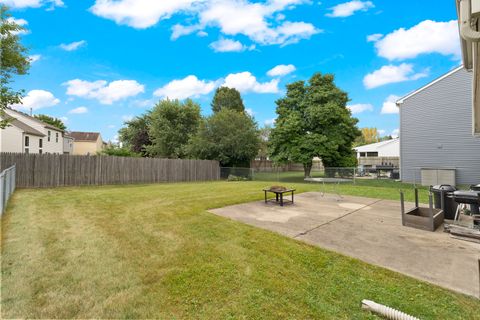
[[49, 134], [40, 146], [372, 154], [362, 154], [27, 143], [56, 137]]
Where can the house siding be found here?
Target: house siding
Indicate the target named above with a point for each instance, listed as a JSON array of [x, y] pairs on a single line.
[[88, 147], [11, 139], [436, 130], [67, 145], [52, 146]]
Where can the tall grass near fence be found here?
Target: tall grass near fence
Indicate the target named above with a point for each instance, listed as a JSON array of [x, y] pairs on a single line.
[[7, 186], [53, 170]]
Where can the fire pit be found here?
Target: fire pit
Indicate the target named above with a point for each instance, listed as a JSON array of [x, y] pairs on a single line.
[[279, 191]]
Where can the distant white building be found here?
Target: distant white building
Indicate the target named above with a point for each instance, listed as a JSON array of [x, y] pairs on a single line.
[[68, 144], [26, 134], [388, 148]]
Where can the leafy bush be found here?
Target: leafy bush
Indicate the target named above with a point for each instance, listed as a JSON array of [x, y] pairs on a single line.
[[232, 177]]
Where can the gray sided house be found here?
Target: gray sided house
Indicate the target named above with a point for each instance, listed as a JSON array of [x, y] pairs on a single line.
[[436, 132]]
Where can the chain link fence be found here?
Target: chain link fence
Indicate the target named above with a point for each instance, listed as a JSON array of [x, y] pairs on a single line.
[[328, 174], [292, 176], [7, 187]]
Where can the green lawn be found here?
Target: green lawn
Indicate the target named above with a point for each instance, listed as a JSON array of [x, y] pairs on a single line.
[[154, 251]]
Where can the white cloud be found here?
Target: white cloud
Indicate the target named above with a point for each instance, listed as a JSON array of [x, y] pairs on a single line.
[[250, 112], [37, 99], [104, 92], [111, 126], [395, 133], [21, 22], [34, 58], [73, 46], [392, 74], [191, 86], [246, 82], [270, 122], [127, 118], [255, 20], [389, 105], [79, 110], [281, 70], [21, 4], [140, 14], [187, 87], [347, 9], [426, 37], [179, 30], [229, 45], [360, 107], [374, 37], [83, 88], [381, 132]]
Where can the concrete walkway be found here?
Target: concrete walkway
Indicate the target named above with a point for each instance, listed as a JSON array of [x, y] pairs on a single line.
[[370, 230]]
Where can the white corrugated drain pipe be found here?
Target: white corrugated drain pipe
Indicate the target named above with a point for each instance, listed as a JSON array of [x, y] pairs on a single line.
[[385, 311]]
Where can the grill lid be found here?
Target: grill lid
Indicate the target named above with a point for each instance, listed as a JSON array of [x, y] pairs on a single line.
[[443, 187]]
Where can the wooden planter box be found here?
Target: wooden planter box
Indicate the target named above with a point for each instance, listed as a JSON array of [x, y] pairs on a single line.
[[428, 219]]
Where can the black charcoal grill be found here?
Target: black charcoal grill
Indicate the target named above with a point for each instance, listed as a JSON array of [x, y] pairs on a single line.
[[475, 187], [468, 197]]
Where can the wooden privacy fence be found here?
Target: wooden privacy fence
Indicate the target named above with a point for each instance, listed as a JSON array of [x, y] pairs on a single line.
[[53, 170]]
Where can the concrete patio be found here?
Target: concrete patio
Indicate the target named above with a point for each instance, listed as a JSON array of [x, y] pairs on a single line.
[[370, 230]]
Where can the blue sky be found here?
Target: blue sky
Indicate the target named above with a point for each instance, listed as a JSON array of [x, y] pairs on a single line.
[[98, 63]]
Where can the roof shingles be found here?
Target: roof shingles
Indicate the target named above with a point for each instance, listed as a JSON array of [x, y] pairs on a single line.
[[84, 136]]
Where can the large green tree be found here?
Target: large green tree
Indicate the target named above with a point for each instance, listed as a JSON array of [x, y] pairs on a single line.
[[172, 123], [58, 123], [14, 61], [264, 134], [227, 98], [116, 150], [134, 135], [229, 136], [313, 121]]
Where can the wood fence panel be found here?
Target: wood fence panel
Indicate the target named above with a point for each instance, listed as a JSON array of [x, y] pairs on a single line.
[[53, 170]]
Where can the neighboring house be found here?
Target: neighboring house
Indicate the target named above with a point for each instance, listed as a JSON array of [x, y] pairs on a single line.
[[387, 148], [385, 153], [26, 134], [436, 141], [68, 144], [86, 143]]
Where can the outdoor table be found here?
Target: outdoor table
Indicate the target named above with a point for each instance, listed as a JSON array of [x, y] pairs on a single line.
[[279, 195]]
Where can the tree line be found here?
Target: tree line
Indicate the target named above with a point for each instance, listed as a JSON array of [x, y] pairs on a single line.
[[312, 121], [176, 129]]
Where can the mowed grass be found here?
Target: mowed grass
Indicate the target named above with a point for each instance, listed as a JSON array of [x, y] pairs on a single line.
[[153, 251]]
